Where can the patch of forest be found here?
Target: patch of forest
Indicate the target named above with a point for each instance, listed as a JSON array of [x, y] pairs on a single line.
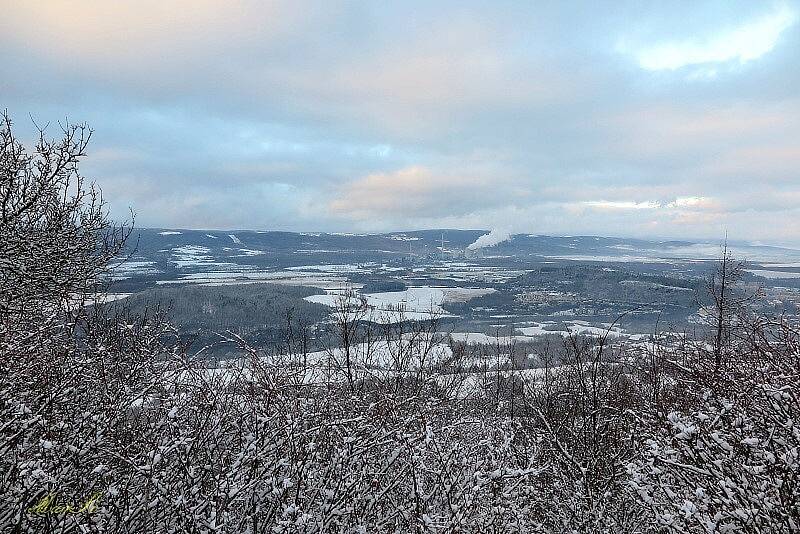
[[257, 312]]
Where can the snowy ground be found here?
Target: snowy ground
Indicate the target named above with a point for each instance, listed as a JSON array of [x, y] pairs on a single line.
[[469, 376], [293, 278], [574, 327], [415, 303], [133, 268], [773, 275]]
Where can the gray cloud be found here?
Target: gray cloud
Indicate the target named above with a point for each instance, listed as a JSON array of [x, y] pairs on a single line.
[[562, 117]]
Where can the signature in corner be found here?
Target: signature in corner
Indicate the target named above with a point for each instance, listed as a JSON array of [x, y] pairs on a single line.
[[50, 504]]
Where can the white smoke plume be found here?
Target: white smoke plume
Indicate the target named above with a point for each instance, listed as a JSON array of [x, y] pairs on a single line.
[[491, 239]]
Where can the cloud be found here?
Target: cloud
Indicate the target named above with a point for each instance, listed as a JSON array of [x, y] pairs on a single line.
[[357, 115], [620, 205], [743, 43], [678, 205], [147, 35], [695, 203], [408, 192]]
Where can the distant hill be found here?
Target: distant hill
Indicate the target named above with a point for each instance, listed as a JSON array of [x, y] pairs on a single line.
[[167, 255]]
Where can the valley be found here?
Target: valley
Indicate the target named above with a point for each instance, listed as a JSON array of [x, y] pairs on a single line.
[[523, 288]]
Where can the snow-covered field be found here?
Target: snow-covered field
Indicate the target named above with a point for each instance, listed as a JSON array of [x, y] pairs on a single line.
[[529, 333], [132, 268], [332, 268], [469, 376], [697, 252], [479, 338], [470, 272], [610, 259], [292, 278], [417, 300], [773, 275]]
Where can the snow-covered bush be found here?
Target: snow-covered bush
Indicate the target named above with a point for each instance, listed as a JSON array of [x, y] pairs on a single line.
[[732, 464]]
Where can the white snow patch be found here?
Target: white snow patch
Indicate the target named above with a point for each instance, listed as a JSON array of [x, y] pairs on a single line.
[[131, 268], [332, 268], [773, 275], [250, 252], [193, 256], [422, 299], [403, 237]]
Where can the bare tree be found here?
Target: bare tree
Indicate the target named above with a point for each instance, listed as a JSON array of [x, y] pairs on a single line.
[[720, 288], [55, 237]]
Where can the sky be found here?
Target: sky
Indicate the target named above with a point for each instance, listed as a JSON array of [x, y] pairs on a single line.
[[640, 119]]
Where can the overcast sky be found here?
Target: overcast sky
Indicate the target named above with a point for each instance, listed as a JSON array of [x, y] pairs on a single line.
[[626, 118]]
